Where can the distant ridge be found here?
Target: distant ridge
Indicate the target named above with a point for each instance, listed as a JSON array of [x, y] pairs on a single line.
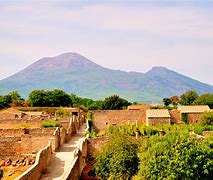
[[76, 74]]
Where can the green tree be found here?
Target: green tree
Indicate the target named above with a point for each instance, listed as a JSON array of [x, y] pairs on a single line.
[[38, 98], [175, 156], [118, 159], [57, 98], [167, 101], [207, 119], [188, 97], [54, 98], [205, 99], [114, 102]]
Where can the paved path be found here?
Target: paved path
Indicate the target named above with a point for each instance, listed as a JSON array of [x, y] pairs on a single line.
[[62, 159]]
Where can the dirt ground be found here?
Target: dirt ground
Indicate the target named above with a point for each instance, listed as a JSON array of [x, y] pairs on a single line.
[[10, 173]]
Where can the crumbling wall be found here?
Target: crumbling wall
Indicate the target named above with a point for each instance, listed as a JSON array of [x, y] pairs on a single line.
[[42, 161]]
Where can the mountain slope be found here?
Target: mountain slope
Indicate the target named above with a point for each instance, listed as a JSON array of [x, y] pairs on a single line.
[[77, 74]]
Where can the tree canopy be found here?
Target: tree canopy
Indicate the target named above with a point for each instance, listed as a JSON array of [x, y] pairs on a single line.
[[114, 102], [205, 99], [188, 97], [54, 98]]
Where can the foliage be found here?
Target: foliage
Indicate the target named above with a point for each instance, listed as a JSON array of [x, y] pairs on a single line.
[[23, 126], [174, 156], [54, 98], [207, 118], [1, 173], [174, 100], [91, 134], [184, 117], [188, 97], [86, 102], [62, 112], [50, 123], [167, 101], [12, 97], [114, 102], [205, 99], [118, 159]]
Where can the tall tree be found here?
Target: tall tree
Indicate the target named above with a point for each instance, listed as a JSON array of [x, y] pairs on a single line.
[[188, 97], [114, 102], [167, 101], [205, 99]]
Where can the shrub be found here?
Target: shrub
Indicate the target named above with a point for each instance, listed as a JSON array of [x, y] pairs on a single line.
[[62, 112], [207, 119], [50, 123], [118, 159]]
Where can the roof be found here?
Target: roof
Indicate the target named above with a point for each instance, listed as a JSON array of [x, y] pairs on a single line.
[[193, 109], [34, 113], [138, 107], [164, 113]]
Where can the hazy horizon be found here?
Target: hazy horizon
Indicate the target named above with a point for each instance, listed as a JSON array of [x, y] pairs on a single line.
[[129, 36]]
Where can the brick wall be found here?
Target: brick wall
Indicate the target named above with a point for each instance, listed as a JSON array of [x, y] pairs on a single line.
[[103, 119]]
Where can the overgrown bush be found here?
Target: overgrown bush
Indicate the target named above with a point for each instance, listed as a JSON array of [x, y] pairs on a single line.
[[174, 156], [207, 119], [118, 159], [62, 112], [50, 123]]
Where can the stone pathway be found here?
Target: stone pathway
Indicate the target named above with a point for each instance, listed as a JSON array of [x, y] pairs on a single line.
[[62, 159]]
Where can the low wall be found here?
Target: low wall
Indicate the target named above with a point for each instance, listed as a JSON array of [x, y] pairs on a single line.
[[14, 142], [16, 123], [78, 163], [42, 161], [103, 119], [10, 147]]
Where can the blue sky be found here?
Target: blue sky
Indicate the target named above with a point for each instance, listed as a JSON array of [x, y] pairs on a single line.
[[126, 35]]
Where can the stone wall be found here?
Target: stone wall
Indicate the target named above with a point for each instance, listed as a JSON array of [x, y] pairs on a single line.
[[14, 142], [94, 145], [17, 123], [158, 120], [10, 147], [103, 119], [194, 117], [175, 117], [78, 163], [42, 161]]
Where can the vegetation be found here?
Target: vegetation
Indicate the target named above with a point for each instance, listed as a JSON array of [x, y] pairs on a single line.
[[119, 159], [188, 97], [114, 102], [205, 99], [54, 98], [11, 99], [173, 154], [62, 112], [50, 123], [207, 119]]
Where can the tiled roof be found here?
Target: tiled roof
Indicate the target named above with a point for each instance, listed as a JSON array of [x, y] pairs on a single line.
[[158, 113], [193, 109]]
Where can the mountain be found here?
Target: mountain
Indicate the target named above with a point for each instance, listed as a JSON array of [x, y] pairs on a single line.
[[76, 74]]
